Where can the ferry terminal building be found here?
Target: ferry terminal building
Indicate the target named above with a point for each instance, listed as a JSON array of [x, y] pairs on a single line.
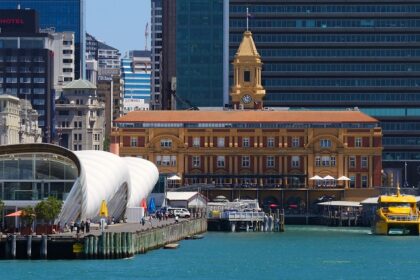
[[251, 148]]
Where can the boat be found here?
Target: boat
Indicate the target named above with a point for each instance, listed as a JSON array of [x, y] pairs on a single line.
[[171, 246], [397, 215]]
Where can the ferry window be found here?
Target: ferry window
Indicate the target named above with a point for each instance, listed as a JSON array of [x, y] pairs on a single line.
[[220, 142], [364, 162], [325, 143], [245, 161], [247, 76], [295, 142], [196, 142], [270, 142], [358, 142], [245, 142], [133, 141], [220, 161], [295, 161], [270, 161], [364, 181], [317, 161], [166, 143], [333, 161], [352, 182], [352, 162], [196, 161]]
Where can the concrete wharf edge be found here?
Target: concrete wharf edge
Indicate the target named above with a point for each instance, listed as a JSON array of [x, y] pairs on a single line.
[[109, 245]]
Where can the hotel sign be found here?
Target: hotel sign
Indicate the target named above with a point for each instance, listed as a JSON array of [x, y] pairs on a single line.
[[18, 21]]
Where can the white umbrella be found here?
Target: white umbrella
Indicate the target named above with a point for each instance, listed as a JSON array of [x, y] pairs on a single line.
[[344, 178], [316, 177], [328, 177], [174, 177]]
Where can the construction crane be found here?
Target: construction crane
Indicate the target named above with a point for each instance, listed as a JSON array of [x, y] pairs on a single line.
[[146, 35]]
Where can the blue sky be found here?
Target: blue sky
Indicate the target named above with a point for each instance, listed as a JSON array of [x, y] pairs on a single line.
[[119, 23]]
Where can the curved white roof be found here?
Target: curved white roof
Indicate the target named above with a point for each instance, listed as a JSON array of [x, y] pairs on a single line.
[[106, 176]]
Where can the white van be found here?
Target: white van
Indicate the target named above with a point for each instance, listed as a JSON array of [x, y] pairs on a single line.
[[182, 212]]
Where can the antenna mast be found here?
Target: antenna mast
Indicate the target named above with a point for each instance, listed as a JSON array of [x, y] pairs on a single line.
[[146, 35]]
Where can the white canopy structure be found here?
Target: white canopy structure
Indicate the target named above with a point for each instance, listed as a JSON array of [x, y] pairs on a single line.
[[343, 178], [328, 177], [121, 182], [316, 177]]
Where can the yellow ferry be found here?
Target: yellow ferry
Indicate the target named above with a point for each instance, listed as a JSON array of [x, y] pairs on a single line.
[[397, 215]]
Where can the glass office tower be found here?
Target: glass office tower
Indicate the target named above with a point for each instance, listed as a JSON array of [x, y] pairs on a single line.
[[199, 53], [343, 54], [68, 15]]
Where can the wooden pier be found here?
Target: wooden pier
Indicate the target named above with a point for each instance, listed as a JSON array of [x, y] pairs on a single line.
[[120, 242], [247, 221]]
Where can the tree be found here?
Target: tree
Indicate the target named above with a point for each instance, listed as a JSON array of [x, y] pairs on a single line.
[[106, 143], [48, 209], [28, 215]]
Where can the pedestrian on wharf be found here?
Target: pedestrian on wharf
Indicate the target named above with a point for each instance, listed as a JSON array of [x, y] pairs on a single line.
[[71, 226], [77, 226], [87, 225], [82, 226], [176, 219]]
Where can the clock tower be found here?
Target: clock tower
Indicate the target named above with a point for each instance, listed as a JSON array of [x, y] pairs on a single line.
[[247, 89]]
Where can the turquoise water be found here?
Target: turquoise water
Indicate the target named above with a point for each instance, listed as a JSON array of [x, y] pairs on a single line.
[[299, 253]]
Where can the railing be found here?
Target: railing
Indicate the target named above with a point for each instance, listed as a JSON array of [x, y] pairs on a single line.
[[243, 216], [402, 218]]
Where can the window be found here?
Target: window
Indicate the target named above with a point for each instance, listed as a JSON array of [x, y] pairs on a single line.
[[25, 80], [352, 181], [325, 143], [247, 76], [270, 142], [245, 161], [245, 142], [166, 143], [270, 161], [196, 142], [295, 142], [352, 162], [166, 160], [220, 142], [325, 160], [196, 161], [39, 80], [295, 161], [220, 161], [75, 124], [333, 161], [364, 181], [317, 161], [364, 162], [358, 142], [80, 124], [75, 137], [80, 136], [133, 141], [75, 147]]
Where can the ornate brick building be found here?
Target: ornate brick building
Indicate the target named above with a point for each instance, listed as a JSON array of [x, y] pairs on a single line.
[[255, 148]]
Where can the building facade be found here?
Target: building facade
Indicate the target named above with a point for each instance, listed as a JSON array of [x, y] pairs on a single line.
[[260, 148], [64, 59], [18, 121], [329, 55], [156, 48], [108, 57], [63, 16], [80, 120], [136, 74], [27, 65]]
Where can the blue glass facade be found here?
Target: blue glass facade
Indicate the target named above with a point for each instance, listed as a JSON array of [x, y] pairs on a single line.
[[199, 52], [332, 55], [136, 84], [64, 15]]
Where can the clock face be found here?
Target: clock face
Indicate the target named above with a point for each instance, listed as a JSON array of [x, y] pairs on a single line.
[[246, 98]]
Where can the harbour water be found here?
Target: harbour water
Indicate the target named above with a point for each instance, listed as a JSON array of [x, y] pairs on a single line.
[[302, 252]]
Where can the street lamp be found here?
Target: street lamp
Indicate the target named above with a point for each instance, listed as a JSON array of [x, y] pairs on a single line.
[[405, 175]]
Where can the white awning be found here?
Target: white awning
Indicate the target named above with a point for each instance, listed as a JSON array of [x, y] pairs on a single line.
[[328, 177], [316, 177], [344, 178]]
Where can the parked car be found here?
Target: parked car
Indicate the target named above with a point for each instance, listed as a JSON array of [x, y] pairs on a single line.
[[182, 213]]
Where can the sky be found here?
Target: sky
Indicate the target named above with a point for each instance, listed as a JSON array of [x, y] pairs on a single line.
[[119, 23]]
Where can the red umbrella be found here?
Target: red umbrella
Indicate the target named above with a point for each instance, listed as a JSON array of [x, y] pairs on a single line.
[[15, 214], [143, 203]]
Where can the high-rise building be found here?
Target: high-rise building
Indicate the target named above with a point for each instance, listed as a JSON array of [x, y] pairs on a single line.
[[27, 64], [156, 48], [108, 57], [343, 54], [135, 72], [64, 16]]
